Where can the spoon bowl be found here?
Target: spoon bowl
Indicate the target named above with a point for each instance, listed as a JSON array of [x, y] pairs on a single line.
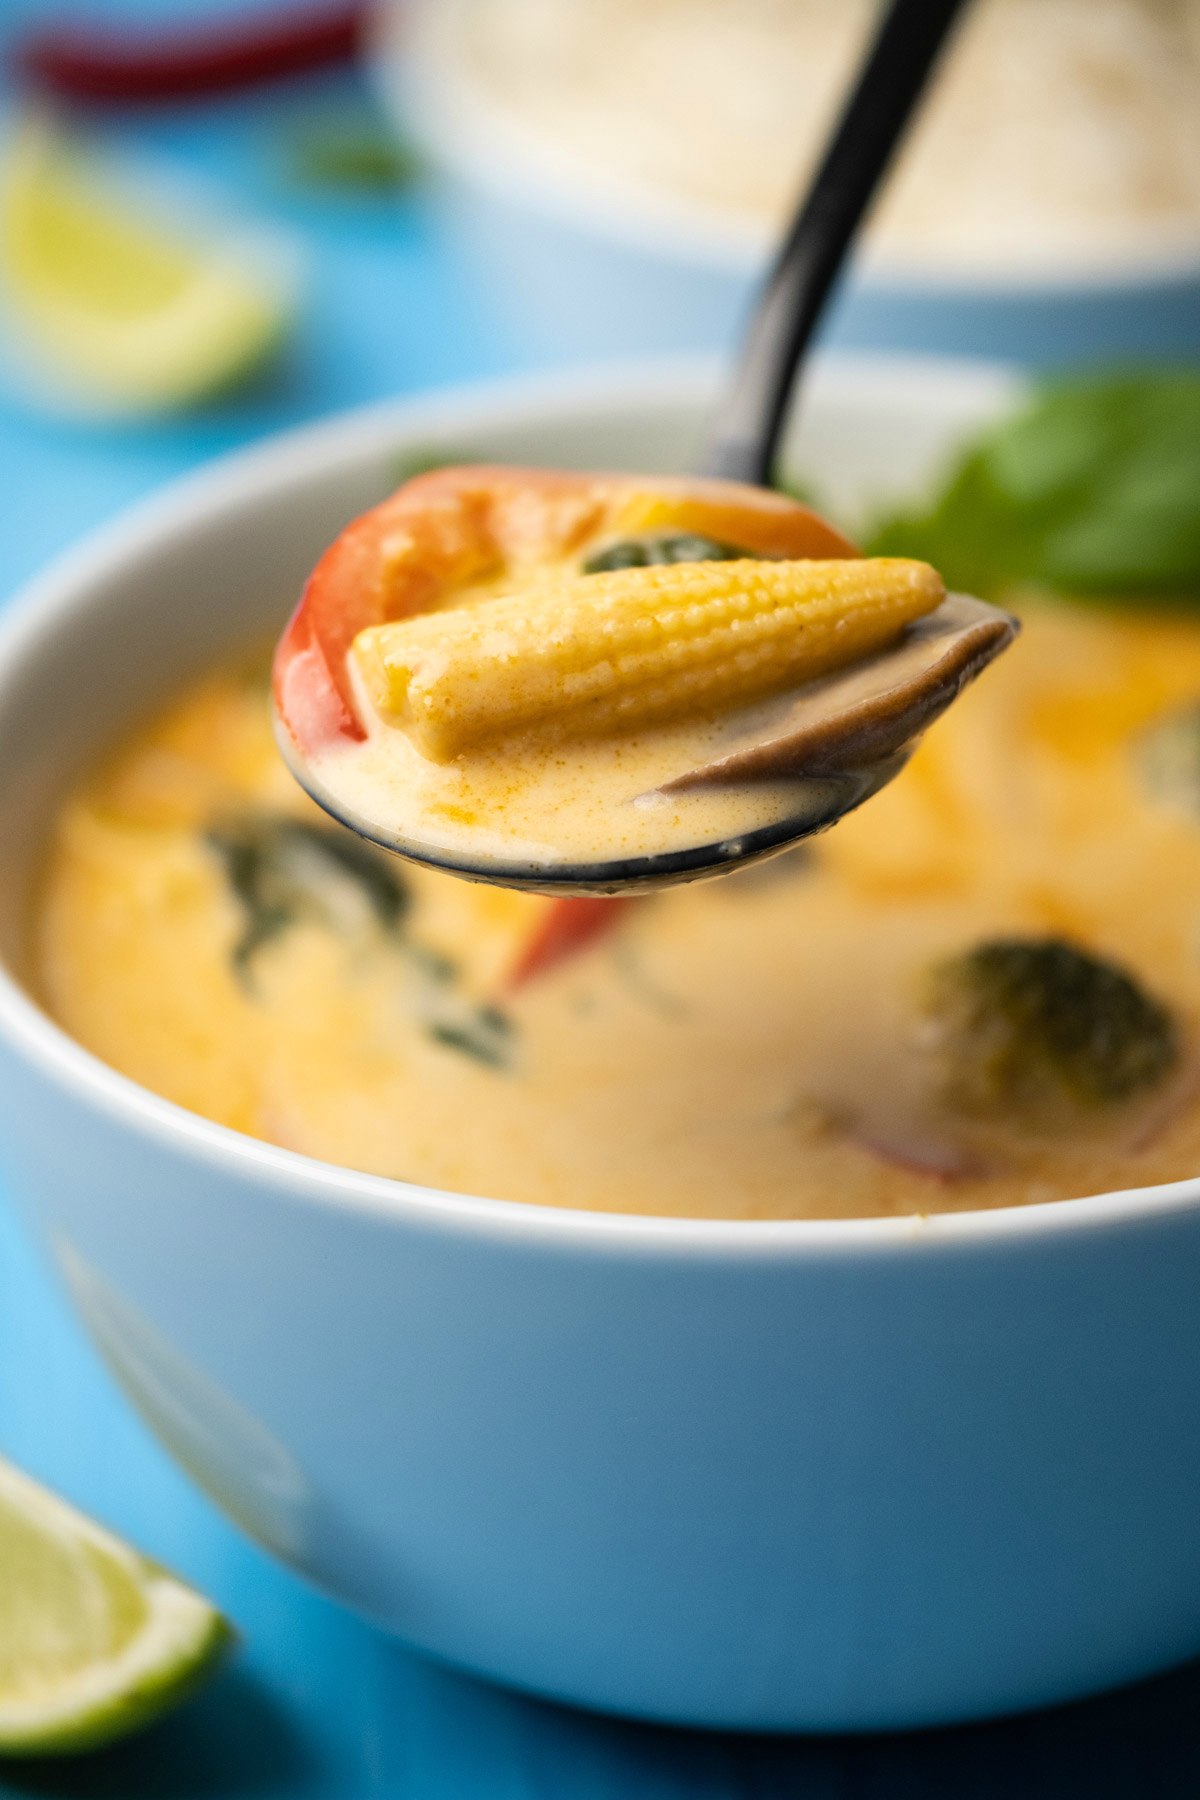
[[781, 770], [781, 774]]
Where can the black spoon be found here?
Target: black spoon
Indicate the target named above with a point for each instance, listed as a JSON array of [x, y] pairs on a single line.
[[833, 743], [881, 104]]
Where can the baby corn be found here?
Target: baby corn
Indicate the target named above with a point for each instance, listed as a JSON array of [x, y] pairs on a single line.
[[596, 654]]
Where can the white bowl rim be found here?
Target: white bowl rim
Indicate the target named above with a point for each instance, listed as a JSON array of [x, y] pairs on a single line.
[[32, 614], [474, 136]]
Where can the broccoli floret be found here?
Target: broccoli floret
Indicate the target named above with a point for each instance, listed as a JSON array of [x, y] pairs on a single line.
[[1168, 758], [661, 547], [1039, 1029]]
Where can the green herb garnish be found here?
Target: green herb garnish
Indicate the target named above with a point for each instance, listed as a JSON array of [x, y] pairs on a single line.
[[1092, 488], [354, 156], [661, 547], [432, 963], [482, 1035], [282, 870], [266, 900]]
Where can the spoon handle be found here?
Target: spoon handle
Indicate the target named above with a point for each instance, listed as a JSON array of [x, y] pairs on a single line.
[[749, 423]]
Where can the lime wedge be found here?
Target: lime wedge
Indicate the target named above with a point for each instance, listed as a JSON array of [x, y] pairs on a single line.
[[120, 309], [94, 1639]]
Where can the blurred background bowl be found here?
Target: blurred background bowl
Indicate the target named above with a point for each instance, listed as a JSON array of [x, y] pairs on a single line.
[[589, 254]]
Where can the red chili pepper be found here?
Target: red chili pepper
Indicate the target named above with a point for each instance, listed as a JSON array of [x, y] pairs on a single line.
[[567, 928], [78, 63]]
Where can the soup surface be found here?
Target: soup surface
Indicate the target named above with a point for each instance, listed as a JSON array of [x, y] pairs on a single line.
[[757, 1046]]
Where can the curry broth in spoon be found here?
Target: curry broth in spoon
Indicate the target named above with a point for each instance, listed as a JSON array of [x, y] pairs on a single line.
[[598, 683]]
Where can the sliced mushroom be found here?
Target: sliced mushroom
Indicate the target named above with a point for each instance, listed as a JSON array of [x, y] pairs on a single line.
[[865, 714]]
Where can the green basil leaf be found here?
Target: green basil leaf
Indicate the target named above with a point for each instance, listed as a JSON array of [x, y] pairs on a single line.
[[1093, 488]]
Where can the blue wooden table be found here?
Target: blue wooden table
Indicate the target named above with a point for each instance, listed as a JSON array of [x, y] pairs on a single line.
[[317, 1706]]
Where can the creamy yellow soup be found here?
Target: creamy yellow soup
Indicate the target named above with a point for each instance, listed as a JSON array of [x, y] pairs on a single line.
[[752, 1047]]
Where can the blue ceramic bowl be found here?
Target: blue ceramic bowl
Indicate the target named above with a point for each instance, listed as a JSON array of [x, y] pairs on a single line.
[[786, 1475]]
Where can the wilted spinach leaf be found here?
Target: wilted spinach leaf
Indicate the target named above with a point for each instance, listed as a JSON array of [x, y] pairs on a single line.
[[282, 869], [481, 1034], [661, 547]]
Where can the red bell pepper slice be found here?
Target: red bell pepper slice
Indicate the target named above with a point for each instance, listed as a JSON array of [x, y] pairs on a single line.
[[569, 927]]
